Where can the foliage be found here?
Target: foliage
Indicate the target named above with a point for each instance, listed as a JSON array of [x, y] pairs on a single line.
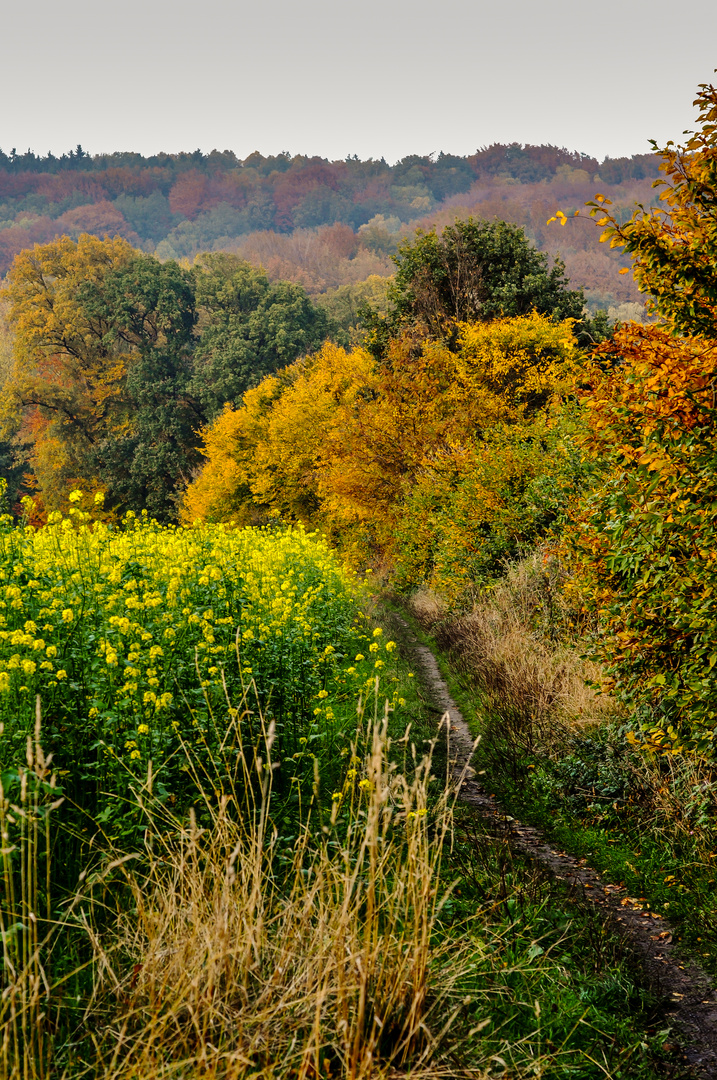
[[65, 385], [645, 534], [473, 271], [439, 458], [674, 247], [345, 304], [147, 309], [119, 359], [276, 211], [265, 456], [441, 462], [249, 328]]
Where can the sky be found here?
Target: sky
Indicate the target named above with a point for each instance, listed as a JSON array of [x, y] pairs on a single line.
[[384, 78]]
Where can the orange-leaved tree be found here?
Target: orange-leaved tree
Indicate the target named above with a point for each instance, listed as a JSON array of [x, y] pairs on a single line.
[[645, 534], [432, 406], [674, 246]]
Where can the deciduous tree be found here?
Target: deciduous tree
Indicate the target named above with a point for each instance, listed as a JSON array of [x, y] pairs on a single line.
[[249, 328], [66, 384], [147, 308], [645, 534], [674, 246], [473, 271]]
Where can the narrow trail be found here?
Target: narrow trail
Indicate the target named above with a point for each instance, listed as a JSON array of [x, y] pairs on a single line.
[[688, 989]]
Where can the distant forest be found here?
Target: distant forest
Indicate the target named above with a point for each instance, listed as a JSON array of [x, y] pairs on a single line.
[[325, 225]]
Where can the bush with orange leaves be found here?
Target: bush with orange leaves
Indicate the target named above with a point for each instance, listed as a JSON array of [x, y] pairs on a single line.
[[645, 535]]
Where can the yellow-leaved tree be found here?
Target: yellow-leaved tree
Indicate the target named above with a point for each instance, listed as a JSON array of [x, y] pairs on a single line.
[[442, 459], [267, 455]]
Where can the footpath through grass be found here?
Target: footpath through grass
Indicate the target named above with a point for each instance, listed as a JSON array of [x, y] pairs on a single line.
[[597, 967], [645, 824], [649, 827]]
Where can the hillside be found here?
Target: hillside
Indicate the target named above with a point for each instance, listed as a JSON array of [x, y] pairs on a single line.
[[319, 223]]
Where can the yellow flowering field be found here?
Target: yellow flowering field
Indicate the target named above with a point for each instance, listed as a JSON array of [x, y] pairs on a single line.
[[147, 644]]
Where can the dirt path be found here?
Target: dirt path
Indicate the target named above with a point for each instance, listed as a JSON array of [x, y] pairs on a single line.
[[688, 989]]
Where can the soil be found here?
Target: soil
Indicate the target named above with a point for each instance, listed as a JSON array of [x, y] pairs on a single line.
[[687, 990]]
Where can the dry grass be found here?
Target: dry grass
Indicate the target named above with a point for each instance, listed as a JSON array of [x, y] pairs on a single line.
[[240, 945], [515, 646], [238, 950], [26, 927], [249, 954]]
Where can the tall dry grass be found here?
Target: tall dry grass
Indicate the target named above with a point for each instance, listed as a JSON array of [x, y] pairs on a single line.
[[236, 944], [248, 952], [245, 942], [27, 930], [519, 646]]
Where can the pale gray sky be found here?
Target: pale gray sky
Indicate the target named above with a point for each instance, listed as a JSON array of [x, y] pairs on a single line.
[[379, 78]]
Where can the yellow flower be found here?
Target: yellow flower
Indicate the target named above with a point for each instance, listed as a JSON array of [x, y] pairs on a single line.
[[68, 615], [142, 729], [99, 498], [75, 496], [323, 694], [377, 632], [61, 674]]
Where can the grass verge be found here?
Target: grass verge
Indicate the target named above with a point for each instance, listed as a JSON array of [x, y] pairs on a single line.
[[646, 822]]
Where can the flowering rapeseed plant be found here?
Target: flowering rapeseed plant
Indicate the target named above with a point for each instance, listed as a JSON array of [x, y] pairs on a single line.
[[141, 640]]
